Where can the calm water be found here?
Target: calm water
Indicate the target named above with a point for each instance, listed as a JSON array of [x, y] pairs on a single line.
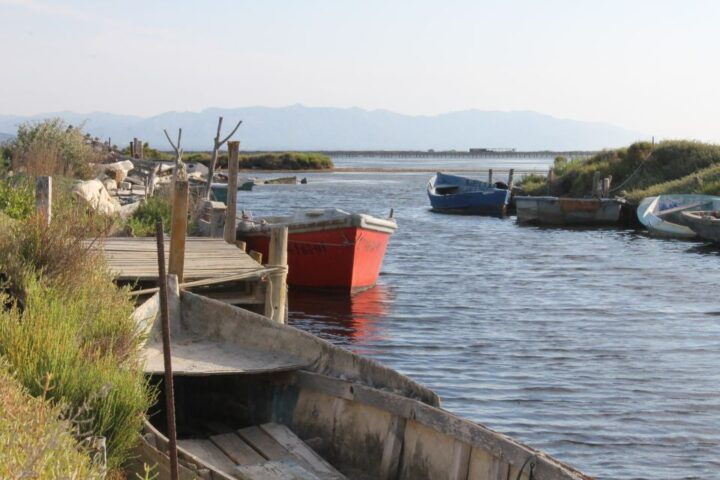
[[600, 347]]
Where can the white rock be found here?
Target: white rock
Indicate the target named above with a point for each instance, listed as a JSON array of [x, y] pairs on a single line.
[[94, 193]]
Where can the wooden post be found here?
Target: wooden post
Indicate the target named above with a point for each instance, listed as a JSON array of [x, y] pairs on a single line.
[[606, 186], [511, 178], [550, 180], [167, 354], [179, 228], [490, 176], [135, 148], [276, 296], [596, 185], [231, 212], [43, 198], [141, 150]]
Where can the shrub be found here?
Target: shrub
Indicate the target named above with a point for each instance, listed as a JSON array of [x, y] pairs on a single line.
[[67, 319], [35, 441], [142, 222], [52, 147], [17, 199]]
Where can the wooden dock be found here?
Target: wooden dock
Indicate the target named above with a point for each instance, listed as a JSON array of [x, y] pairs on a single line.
[[212, 267], [135, 258]]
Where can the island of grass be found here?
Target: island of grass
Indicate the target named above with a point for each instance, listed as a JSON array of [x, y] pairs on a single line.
[[638, 171], [270, 160]]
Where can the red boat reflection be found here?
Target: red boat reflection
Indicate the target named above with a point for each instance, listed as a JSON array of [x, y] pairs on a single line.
[[337, 317]]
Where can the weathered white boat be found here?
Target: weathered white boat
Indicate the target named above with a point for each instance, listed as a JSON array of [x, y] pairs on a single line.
[[260, 400], [568, 211], [706, 223], [662, 215]]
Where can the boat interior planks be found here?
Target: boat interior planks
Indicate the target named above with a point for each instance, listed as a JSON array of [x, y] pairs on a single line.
[[236, 449]]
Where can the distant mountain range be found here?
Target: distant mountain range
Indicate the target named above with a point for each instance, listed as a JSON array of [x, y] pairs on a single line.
[[299, 127]]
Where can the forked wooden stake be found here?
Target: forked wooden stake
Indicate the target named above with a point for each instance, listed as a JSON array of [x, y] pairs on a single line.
[[167, 355]]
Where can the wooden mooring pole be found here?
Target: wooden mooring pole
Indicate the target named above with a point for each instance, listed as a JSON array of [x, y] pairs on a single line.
[[511, 179], [606, 186], [276, 296], [550, 180], [230, 233], [178, 228], [490, 172], [167, 354], [43, 198]]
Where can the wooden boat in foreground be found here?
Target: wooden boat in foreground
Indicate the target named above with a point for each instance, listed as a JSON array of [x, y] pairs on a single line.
[[560, 211], [259, 400], [706, 223], [662, 215], [454, 194], [327, 248]]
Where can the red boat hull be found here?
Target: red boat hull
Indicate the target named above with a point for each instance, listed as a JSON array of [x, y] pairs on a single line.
[[345, 258]]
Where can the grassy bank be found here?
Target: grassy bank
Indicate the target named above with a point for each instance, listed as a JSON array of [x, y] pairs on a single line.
[[35, 440], [66, 332], [68, 326], [637, 171]]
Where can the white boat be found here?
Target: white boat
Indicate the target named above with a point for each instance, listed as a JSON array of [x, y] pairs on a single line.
[[662, 215]]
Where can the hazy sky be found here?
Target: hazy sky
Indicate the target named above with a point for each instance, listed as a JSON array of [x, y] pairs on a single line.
[[652, 66]]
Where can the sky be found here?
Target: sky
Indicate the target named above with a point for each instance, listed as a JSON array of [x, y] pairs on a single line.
[[647, 65]]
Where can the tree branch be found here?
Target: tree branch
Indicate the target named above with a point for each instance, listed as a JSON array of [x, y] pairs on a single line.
[[231, 133], [217, 136], [171, 142]]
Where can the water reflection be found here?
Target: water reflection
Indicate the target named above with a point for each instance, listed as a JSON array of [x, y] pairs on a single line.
[[349, 320]]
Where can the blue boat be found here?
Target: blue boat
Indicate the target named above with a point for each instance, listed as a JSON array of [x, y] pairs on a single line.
[[454, 194]]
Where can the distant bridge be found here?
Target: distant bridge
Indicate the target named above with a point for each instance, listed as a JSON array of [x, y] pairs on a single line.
[[475, 153]]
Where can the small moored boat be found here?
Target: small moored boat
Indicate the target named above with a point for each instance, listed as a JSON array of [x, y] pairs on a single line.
[[277, 181], [568, 211], [327, 248], [219, 190], [706, 223], [455, 194], [662, 215], [257, 400]]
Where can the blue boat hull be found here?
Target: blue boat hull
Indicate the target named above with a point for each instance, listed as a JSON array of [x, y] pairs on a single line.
[[453, 194], [475, 202]]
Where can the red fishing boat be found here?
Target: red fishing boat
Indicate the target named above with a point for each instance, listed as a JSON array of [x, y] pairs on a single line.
[[327, 248]]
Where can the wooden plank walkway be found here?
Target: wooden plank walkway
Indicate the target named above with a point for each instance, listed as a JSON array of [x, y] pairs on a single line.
[[135, 258]]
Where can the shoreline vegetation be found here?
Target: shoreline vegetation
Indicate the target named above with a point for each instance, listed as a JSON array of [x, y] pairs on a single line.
[[638, 171], [291, 161], [70, 358]]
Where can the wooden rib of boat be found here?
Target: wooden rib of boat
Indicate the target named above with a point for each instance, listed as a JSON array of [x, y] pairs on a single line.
[[706, 223], [259, 400], [560, 211], [662, 215]]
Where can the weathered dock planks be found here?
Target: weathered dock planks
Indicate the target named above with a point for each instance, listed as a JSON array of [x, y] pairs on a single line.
[[135, 259]]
